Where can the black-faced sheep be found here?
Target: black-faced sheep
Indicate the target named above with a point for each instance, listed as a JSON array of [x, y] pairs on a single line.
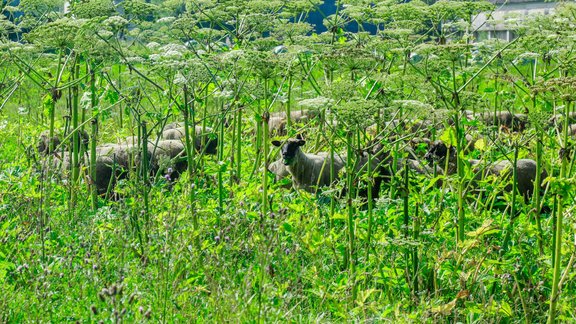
[[205, 140], [168, 155], [514, 122], [558, 119], [44, 141], [308, 171], [116, 159], [525, 168]]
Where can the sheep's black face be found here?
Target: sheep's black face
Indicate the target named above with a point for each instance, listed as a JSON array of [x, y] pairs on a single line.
[[289, 149], [437, 151], [212, 146], [207, 144]]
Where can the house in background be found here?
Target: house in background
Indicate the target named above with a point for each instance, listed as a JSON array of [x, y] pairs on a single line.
[[500, 23]]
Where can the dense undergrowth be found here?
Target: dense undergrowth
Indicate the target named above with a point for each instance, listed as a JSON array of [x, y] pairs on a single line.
[[226, 242]]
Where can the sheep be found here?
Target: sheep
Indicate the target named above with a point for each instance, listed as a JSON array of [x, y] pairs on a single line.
[[438, 151], [278, 169], [385, 160], [204, 142], [307, 170], [557, 119], [377, 173], [168, 155], [525, 172], [297, 115], [278, 121], [113, 160], [515, 122], [44, 141], [525, 168], [277, 126]]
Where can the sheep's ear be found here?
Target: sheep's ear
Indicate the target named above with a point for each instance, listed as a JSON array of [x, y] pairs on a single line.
[[299, 136], [301, 142], [276, 143]]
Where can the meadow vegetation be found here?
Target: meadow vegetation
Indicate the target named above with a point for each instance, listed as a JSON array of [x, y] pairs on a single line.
[[150, 195]]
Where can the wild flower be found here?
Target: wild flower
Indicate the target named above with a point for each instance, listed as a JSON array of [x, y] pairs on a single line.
[[317, 103], [115, 23], [153, 45], [166, 20]]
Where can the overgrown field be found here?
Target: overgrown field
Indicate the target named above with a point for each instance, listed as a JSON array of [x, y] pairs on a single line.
[[450, 163]]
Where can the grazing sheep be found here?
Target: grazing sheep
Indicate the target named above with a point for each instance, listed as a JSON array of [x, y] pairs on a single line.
[[377, 172], [124, 155], [385, 161], [277, 126], [168, 155], [279, 169], [559, 118], [525, 172], [203, 142], [172, 126], [514, 122], [278, 121], [438, 151], [297, 116], [44, 141], [307, 170], [114, 160], [525, 168]]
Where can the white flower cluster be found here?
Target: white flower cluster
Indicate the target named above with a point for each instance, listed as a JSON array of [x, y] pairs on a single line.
[[153, 45], [134, 59], [116, 22], [413, 106], [166, 20], [316, 103]]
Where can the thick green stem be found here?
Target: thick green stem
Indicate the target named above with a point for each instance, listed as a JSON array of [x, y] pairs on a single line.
[[512, 216], [93, 137], [190, 134], [265, 118], [350, 220], [75, 118], [145, 177], [239, 145], [557, 252], [220, 165]]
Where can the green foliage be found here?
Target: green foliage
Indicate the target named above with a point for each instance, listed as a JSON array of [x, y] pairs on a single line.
[[59, 34], [199, 248], [38, 8], [93, 8]]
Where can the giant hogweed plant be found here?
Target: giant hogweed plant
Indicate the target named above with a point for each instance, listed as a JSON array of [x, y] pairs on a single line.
[[421, 56]]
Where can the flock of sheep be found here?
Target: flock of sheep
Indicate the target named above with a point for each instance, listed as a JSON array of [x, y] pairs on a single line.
[[165, 154], [308, 171]]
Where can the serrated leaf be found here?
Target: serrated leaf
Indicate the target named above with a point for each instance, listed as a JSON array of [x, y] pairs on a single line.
[[449, 136], [480, 144], [445, 309]]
